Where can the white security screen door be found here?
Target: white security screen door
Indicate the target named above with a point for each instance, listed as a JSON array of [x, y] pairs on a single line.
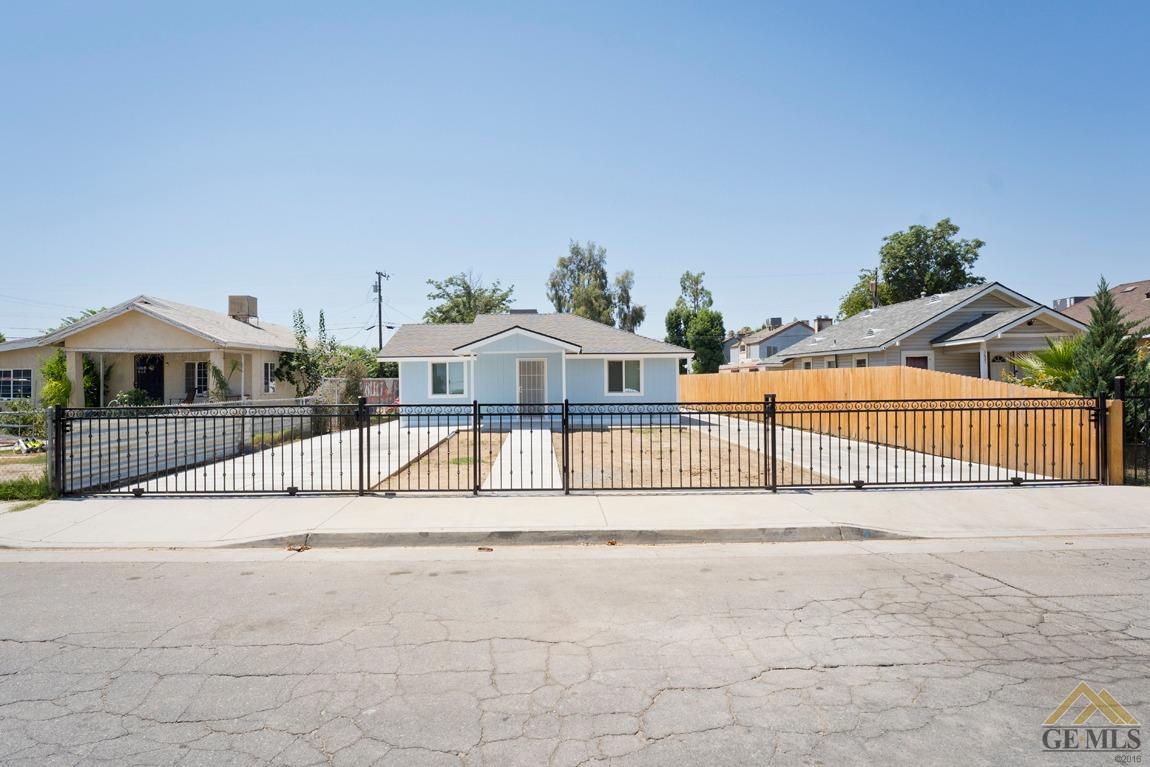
[[532, 382]]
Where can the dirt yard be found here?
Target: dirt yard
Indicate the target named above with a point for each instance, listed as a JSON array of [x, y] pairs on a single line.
[[448, 465], [684, 457], [17, 466]]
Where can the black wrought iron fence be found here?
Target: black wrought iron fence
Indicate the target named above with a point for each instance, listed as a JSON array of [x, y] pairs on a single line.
[[1136, 439], [940, 441], [362, 448]]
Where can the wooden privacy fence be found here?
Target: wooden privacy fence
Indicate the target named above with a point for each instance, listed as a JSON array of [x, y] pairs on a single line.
[[1034, 432]]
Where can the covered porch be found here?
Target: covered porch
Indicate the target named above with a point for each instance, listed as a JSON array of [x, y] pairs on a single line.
[[166, 377]]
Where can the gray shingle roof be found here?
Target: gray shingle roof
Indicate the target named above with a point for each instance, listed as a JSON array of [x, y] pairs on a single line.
[[762, 335], [214, 326], [593, 337], [875, 328], [985, 324]]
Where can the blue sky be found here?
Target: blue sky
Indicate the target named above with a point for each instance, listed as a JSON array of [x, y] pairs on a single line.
[[289, 149]]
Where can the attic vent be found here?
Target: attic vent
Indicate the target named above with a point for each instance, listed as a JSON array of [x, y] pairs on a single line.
[[935, 298], [870, 332]]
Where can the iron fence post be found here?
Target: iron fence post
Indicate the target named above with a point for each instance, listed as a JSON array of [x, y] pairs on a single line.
[[769, 425], [1103, 442], [475, 447], [361, 422], [566, 441], [57, 459]]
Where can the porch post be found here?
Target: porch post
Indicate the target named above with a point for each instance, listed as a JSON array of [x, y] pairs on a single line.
[[983, 362], [216, 360], [243, 376], [75, 363], [563, 374]]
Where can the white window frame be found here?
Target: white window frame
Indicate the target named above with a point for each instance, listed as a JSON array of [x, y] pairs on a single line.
[[196, 376], [447, 378], [929, 354], [831, 363], [808, 365], [12, 378], [607, 377], [863, 358], [269, 386]]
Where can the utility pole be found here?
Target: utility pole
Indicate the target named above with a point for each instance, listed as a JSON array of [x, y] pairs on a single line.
[[378, 288]]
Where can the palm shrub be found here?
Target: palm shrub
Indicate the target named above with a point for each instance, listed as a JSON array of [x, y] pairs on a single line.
[[1049, 368]]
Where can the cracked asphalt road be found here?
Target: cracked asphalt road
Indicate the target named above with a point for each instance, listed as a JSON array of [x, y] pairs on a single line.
[[723, 655]]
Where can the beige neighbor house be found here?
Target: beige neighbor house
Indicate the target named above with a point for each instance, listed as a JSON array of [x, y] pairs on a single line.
[[976, 331], [161, 347]]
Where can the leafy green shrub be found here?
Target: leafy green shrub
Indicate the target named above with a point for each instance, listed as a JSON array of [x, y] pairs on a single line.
[[133, 398], [57, 389]]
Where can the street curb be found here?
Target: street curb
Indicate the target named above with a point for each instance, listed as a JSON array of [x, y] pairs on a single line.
[[573, 537]]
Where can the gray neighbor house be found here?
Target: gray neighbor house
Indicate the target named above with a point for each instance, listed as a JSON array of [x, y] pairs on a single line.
[[746, 352], [975, 331]]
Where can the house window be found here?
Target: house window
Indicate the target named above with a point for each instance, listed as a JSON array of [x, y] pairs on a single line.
[[16, 384], [624, 376], [447, 379], [269, 377], [196, 377], [920, 361], [806, 365], [832, 362], [860, 362], [770, 351]]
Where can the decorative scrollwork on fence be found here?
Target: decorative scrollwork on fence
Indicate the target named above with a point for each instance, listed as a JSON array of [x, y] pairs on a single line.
[[937, 405]]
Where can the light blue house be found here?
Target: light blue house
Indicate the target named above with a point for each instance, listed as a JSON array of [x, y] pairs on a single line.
[[527, 358]]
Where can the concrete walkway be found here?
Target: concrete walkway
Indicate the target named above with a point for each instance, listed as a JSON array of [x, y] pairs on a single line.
[[349, 521], [526, 461]]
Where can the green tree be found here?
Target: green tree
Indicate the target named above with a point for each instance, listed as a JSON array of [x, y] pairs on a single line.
[[578, 284], [920, 261], [460, 297], [1109, 348], [72, 320], [2, 338], [302, 366], [694, 294], [705, 338], [861, 296], [628, 315], [676, 322], [692, 323]]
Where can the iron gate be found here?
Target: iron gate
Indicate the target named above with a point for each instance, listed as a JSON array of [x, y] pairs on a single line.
[[363, 448]]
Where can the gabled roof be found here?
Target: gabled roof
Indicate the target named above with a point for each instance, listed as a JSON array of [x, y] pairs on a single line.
[[15, 344], [216, 327], [990, 324], [767, 333], [876, 329], [1133, 298], [429, 340]]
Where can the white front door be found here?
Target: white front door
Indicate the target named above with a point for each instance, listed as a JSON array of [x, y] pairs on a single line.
[[532, 382], [999, 364]]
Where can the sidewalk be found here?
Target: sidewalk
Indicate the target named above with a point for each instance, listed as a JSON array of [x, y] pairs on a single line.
[[627, 518]]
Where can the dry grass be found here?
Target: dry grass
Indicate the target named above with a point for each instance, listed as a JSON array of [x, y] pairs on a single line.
[[624, 458], [447, 465], [17, 466]]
